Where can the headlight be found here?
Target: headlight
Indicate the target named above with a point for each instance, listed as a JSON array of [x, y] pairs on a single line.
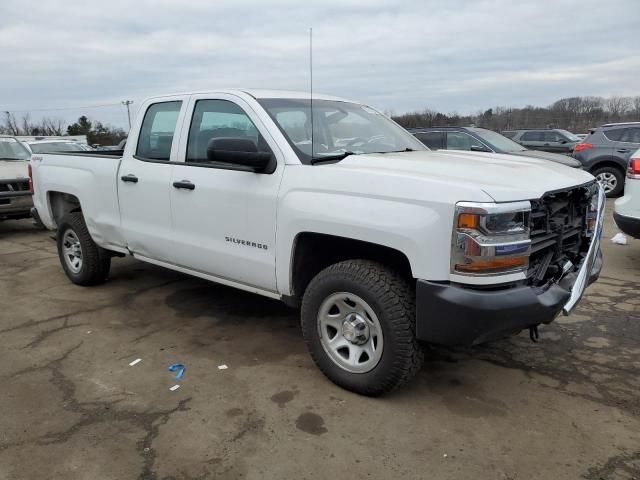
[[490, 238]]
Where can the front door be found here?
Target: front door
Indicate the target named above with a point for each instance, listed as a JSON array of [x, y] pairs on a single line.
[[144, 183], [224, 217]]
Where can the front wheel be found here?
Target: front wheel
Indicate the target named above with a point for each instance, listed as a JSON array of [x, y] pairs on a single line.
[[358, 321], [84, 262]]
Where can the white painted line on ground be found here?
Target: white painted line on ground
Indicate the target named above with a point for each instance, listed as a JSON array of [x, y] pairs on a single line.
[[136, 361], [174, 388]]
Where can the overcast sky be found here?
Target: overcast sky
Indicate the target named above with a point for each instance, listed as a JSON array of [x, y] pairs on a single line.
[[395, 55]]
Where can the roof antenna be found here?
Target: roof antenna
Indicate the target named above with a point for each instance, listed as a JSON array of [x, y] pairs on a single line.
[[311, 83]]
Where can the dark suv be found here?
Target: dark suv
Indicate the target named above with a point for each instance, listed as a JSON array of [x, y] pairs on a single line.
[[481, 140], [606, 152], [547, 140]]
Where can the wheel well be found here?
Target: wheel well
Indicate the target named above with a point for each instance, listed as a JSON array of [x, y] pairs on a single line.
[[62, 204], [315, 251], [607, 163]]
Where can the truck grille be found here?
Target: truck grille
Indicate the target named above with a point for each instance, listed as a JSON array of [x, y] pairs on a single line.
[[18, 185], [558, 226]]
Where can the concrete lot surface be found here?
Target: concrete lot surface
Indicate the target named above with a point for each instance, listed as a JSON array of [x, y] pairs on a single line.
[[71, 407]]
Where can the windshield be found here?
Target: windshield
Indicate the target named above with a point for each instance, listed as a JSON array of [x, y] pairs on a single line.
[[55, 147], [338, 127], [11, 149], [497, 141], [572, 137]]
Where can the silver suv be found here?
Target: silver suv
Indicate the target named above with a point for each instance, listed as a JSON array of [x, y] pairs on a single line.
[[546, 139], [15, 194]]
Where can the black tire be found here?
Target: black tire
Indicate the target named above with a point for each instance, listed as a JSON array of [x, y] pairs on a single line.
[[96, 261], [392, 298], [619, 179]]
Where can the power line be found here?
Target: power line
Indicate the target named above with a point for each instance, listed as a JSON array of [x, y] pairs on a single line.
[[60, 108]]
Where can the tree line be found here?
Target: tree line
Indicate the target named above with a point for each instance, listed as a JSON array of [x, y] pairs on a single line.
[[576, 114], [97, 133]]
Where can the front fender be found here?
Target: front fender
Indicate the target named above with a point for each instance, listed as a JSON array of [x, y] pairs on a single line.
[[421, 232]]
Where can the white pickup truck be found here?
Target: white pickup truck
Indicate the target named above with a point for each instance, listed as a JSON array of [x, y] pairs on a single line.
[[329, 205]]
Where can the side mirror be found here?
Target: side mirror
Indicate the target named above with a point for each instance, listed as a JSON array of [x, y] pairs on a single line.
[[242, 152], [479, 148]]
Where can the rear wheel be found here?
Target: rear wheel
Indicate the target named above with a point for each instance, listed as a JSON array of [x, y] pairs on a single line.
[[358, 321], [611, 179], [84, 262]]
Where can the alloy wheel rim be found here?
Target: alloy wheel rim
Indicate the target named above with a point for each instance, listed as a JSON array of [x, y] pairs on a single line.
[[350, 332], [72, 251], [608, 181]]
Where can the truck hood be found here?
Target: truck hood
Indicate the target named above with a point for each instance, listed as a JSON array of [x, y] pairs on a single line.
[[502, 177], [10, 169]]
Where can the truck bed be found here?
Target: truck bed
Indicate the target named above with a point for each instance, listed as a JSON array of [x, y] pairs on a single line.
[[89, 177]]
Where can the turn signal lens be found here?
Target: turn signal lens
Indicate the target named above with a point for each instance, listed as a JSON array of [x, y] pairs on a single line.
[[493, 265], [582, 146], [468, 220]]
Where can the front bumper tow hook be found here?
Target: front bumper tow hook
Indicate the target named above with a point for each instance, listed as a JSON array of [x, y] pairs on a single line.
[[533, 334]]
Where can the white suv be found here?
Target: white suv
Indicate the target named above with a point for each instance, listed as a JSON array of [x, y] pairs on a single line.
[[627, 209]]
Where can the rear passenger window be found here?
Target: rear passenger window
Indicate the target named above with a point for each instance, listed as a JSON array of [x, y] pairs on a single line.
[[532, 136], [616, 134], [433, 140], [631, 135], [158, 128], [220, 119]]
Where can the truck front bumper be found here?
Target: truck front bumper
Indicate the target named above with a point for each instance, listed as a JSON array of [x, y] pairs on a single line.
[[449, 314]]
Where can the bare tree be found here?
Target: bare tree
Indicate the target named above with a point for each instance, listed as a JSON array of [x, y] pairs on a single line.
[[618, 106], [11, 124], [636, 108]]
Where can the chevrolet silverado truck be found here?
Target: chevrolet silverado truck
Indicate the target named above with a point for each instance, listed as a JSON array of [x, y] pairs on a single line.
[[328, 205], [15, 194]]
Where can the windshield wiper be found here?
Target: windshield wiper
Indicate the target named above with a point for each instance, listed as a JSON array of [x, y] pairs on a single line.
[[16, 159], [400, 151], [330, 158]]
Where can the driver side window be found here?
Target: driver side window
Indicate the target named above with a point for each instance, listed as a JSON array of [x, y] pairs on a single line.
[[213, 119], [459, 141]]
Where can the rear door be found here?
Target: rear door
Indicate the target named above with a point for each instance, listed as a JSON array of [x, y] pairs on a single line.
[[144, 180], [224, 217], [532, 139], [629, 142]]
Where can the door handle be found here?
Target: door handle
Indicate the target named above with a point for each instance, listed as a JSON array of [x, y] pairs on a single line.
[[185, 184], [129, 178], [623, 150], [546, 144]]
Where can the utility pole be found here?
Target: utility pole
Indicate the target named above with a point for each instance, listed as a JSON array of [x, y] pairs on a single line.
[[127, 103]]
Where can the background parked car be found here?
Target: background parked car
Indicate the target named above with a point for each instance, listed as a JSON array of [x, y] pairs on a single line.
[[57, 146], [627, 209], [549, 140], [606, 153], [481, 140], [15, 194]]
